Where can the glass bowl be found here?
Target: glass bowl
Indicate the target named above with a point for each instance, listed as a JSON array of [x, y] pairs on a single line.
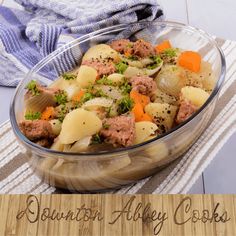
[[114, 169]]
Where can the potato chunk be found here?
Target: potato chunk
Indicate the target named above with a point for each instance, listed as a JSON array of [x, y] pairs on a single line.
[[163, 114], [78, 124], [161, 97], [70, 86], [101, 51], [116, 78], [86, 76], [56, 126], [96, 103], [196, 96], [143, 131]]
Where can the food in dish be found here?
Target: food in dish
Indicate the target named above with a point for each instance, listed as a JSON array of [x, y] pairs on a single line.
[[123, 93]]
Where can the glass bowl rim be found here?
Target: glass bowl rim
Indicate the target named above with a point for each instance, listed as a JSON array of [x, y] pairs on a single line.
[[98, 33]]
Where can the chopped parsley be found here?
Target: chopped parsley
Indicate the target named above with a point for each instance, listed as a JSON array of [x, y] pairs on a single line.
[[109, 111], [33, 116], [86, 97], [124, 105], [133, 58], [61, 97], [96, 139], [32, 87], [67, 76], [105, 126], [62, 113], [156, 62], [99, 93], [125, 87], [121, 67], [92, 92], [105, 81], [170, 52], [129, 45]]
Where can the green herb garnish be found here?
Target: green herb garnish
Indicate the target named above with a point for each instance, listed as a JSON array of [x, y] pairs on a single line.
[[125, 87], [99, 93], [96, 139], [61, 97], [105, 81], [169, 52], [33, 116], [133, 58], [86, 97], [62, 113], [156, 62], [124, 105], [121, 67], [129, 45], [67, 76], [105, 126], [32, 87]]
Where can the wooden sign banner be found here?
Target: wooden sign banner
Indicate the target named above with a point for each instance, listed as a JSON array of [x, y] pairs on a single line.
[[108, 214]]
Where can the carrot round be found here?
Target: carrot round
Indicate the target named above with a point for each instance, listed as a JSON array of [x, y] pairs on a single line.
[[145, 117], [139, 114], [163, 46], [48, 113], [138, 111], [139, 98], [127, 54], [190, 60], [78, 96]]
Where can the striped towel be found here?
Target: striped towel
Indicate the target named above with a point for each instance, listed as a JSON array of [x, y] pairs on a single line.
[[17, 177], [28, 36]]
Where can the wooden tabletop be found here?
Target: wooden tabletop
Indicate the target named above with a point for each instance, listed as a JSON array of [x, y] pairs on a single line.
[[220, 175]]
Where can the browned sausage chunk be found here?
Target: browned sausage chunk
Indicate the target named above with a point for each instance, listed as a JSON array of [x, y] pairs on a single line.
[[102, 67], [142, 49], [119, 131], [49, 92], [186, 109], [143, 84], [121, 45], [36, 130]]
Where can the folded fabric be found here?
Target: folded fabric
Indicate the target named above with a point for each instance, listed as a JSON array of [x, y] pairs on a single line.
[[28, 36]]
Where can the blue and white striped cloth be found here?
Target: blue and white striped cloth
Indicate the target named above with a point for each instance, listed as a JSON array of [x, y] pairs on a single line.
[[28, 36]]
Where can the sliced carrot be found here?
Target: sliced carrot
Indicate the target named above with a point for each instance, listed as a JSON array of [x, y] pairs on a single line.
[[190, 60], [163, 46], [78, 96], [48, 113], [127, 54], [139, 113], [139, 98], [145, 117]]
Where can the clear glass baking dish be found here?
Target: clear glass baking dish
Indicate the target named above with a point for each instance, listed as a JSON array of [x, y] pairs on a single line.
[[114, 169]]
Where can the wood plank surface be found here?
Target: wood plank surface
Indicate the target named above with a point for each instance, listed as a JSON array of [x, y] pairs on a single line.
[[118, 215]]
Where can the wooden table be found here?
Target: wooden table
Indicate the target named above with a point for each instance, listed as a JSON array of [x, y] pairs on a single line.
[[212, 16]]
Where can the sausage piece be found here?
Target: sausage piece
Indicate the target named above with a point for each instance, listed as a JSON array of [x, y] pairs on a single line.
[[121, 45], [119, 131], [143, 49], [143, 84], [36, 130], [186, 109], [102, 67]]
